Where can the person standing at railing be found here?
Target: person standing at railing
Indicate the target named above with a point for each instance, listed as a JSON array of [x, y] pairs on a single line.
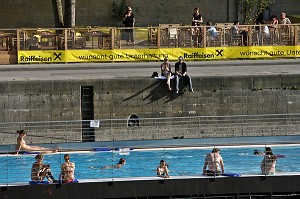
[[274, 20], [213, 161], [67, 170], [21, 145], [283, 19], [212, 34], [269, 162], [181, 72], [40, 170], [166, 71], [196, 21], [129, 22]]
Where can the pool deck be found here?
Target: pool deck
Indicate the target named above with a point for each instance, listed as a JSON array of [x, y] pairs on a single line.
[[155, 187]]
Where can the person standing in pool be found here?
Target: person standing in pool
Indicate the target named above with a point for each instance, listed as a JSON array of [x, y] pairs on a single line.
[[269, 162], [67, 170], [213, 161], [40, 170], [21, 145], [162, 170]]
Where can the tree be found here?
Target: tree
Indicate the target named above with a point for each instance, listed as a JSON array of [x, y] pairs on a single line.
[[118, 10], [70, 13], [66, 20], [251, 9], [58, 13]]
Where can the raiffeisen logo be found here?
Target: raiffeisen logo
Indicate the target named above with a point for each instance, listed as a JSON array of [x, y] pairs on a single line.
[[34, 58], [197, 55]]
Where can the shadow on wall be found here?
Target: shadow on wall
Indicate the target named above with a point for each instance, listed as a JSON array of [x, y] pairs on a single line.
[[158, 90]]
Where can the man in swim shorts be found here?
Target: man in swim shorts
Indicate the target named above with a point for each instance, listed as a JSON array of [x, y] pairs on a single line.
[[213, 161]]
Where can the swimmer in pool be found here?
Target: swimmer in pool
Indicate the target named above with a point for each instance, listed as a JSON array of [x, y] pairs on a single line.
[[259, 153], [121, 162], [21, 145]]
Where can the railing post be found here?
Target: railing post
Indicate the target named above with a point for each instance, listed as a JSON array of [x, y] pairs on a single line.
[[204, 37], [18, 40], [296, 35], [158, 37], [249, 36], [112, 38], [66, 39]]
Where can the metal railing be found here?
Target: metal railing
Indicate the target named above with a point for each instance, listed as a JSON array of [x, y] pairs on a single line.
[[162, 36], [134, 128]]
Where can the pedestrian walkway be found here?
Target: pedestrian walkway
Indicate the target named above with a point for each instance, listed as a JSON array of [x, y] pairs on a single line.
[[142, 70]]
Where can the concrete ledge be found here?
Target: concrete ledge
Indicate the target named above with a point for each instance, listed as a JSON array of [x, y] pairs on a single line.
[[178, 187]]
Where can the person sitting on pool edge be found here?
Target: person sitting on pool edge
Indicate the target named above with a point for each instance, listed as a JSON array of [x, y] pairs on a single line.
[[268, 163], [67, 170], [162, 170], [40, 170], [213, 161], [21, 145]]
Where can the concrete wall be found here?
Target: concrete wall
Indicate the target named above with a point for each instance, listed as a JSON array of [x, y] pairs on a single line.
[[119, 98], [37, 13], [146, 98]]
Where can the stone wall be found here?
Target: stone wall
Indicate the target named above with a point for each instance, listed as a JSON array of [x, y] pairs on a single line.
[[37, 13], [33, 101]]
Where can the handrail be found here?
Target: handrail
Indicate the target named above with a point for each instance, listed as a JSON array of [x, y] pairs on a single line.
[[153, 128], [146, 37]]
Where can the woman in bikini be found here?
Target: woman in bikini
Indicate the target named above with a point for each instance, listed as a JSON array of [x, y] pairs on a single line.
[[40, 170], [21, 145], [162, 170], [166, 71], [67, 170], [269, 162]]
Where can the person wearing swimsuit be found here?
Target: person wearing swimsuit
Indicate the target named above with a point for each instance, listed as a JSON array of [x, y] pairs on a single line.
[[67, 170], [162, 170], [40, 170], [21, 145]]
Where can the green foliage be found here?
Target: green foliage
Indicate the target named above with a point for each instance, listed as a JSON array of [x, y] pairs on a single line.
[[250, 9], [118, 10]]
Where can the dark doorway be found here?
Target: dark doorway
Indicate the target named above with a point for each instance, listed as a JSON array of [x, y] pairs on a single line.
[[87, 113]]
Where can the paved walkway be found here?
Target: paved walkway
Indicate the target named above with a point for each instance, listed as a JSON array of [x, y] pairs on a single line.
[[135, 70]]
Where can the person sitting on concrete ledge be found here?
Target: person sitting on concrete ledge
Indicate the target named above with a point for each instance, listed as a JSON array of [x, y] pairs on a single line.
[[181, 72], [166, 71]]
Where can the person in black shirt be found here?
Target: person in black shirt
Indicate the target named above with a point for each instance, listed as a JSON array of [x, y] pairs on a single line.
[[181, 72], [197, 31], [129, 21]]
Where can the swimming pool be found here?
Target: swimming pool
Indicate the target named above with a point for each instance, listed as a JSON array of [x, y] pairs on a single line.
[[143, 163]]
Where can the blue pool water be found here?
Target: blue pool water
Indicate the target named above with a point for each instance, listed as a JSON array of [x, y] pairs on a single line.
[[143, 163]]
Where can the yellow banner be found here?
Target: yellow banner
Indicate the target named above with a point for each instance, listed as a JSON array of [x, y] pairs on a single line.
[[43, 56], [121, 55]]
